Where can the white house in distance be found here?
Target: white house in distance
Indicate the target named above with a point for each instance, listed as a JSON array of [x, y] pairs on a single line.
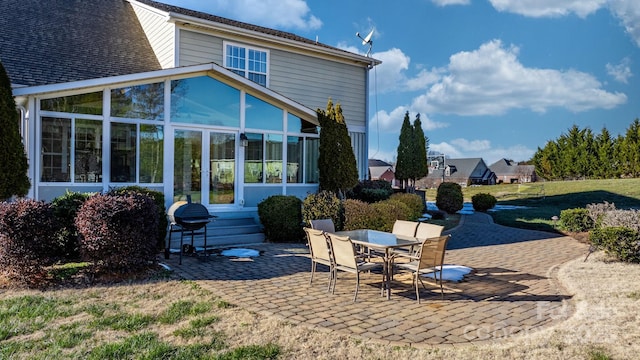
[[136, 92]]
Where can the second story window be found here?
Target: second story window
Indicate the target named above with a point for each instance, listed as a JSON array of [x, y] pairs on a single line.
[[247, 62]]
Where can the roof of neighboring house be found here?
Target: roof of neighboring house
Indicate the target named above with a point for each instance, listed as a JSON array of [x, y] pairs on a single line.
[[70, 40], [377, 163], [460, 168], [376, 172], [504, 166]]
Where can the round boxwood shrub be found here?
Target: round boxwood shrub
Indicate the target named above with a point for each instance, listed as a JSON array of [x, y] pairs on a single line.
[[65, 208], [281, 216], [414, 202], [483, 202], [357, 214], [26, 241], [623, 243], [387, 212], [118, 233], [449, 197], [158, 199], [576, 220], [323, 205], [371, 191]]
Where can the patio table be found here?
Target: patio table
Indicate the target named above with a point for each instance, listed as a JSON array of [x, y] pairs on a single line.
[[383, 242]]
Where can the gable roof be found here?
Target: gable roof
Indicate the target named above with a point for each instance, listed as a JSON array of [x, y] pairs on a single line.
[[69, 40], [503, 166], [460, 168], [192, 17]]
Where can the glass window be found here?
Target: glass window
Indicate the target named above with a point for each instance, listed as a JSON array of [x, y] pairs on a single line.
[[139, 102], [123, 152], [56, 150], [223, 168], [295, 152], [262, 115], [273, 145], [312, 152], [187, 165], [204, 100], [88, 151], [253, 158], [151, 153], [297, 125], [247, 62], [90, 103]]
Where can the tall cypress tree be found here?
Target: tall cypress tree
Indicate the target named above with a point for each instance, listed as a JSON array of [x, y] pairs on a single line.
[[403, 161], [337, 162], [631, 150], [13, 160], [420, 165]]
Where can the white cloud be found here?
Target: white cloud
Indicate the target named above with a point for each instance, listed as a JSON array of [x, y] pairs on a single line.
[[628, 11], [549, 8], [287, 14], [621, 72], [491, 81], [392, 122], [451, 2], [391, 73]]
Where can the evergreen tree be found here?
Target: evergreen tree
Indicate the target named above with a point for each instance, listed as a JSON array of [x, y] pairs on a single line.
[[403, 161], [13, 160], [605, 162], [337, 162], [631, 150], [420, 166]]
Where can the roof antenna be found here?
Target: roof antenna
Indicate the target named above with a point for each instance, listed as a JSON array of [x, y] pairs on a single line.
[[367, 40]]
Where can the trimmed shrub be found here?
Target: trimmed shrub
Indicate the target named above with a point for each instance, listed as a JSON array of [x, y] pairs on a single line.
[[26, 241], [449, 197], [357, 215], [598, 211], [281, 216], [371, 191], [387, 212], [483, 202], [576, 220], [158, 199], [323, 205], [65, 208], [620, 242], [414, 203], [629, 219], [118, 233]]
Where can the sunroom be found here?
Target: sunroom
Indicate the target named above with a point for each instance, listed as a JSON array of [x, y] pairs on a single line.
[[198, 131]]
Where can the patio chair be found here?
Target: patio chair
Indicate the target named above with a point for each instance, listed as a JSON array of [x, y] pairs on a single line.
[[429, 260], [426, 231], [323, 224], [405, 228], [320, 253], [346, 259]]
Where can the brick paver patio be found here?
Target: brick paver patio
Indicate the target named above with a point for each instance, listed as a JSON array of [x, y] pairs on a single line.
[[512, 289]]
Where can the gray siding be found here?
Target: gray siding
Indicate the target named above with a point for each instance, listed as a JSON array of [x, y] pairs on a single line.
[[160, 34], [359, 145], [312, 81], [198, 48]]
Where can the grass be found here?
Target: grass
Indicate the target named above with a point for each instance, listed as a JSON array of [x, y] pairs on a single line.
[[559, 195]]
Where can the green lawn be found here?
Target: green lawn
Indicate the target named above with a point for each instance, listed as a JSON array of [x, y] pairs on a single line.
[[558, 196]]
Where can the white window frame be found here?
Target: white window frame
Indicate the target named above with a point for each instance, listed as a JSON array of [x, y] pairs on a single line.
[[246, 62]]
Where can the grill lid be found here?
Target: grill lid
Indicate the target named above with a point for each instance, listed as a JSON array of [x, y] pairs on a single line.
[[183, 212]]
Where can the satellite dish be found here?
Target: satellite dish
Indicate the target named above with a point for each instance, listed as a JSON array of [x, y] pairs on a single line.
[[367, 40]]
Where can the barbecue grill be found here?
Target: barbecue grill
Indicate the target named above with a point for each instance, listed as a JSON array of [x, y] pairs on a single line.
[[189, 217]]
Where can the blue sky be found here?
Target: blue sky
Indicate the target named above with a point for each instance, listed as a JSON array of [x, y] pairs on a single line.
[[489, 78]]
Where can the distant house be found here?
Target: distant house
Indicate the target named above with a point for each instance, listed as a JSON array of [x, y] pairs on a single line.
[[137, 92], [380, 170], [509, 172], [472, 171]]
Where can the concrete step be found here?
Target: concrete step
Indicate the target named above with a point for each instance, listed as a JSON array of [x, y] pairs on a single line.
[[221, 232]]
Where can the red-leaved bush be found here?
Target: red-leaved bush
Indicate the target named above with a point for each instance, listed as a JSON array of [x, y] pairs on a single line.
[[26, 240], [118, 233]]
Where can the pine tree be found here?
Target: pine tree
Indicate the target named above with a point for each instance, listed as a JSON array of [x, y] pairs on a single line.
[[420, 166], [337, 162], [631, 150], [13, 160], [403, 161]]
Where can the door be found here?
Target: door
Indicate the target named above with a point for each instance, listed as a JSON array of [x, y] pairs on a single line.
[[205, 167]]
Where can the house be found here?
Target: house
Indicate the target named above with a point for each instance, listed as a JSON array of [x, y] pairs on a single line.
[[137, 92], [509, 172], [471, 171], [381, 170]]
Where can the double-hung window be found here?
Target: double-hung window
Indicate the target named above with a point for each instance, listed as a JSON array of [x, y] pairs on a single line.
[[251, 63]]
